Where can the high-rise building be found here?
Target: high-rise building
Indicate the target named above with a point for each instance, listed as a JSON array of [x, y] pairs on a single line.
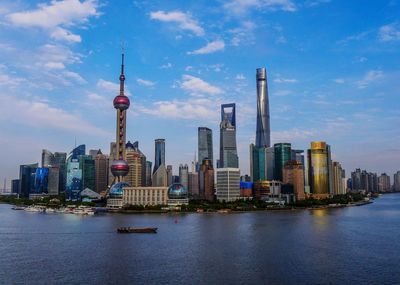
[[396, 181], [384, 182], [228, 184], [159, 153], [319, 161], [148, 173], [263, 133], [58, 159], [298, 155], [53, 181], [101, 167], [143, 159], [205, 144], [74, 172], [93, 153], [262, 163], [206, 180], [228, 157], [134, 177], [193, 189], [364, 181], [15, 186], [184, 175], [27, 179], [282, 154], [293, 173], [169, 175], [160, 177], [87, 165], [41, 181], [339, 187]]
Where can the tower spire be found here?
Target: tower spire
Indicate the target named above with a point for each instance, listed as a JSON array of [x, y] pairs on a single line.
[[122, 76]]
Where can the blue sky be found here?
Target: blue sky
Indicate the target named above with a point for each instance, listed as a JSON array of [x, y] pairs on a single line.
[[333, 75]]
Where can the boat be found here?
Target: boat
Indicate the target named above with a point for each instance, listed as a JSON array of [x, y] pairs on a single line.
[[35, 209], [18, 208], [129, 230]]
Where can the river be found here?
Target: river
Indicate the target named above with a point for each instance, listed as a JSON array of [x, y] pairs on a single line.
[[358, 245]]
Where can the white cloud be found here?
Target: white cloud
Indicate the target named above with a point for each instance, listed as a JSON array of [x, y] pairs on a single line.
[[285, 80], [38, 114], [370, 77], [55, 16], [339, 80], [197, 86], [184, 20], [243, 34], [356, 37], [110, 87], [144, 82], [75, 76], [54, 65], [292, 135], [281, 93], [210, 48], [389, 32], [314, 3], [166, 66], [240, 7], [240, 77]]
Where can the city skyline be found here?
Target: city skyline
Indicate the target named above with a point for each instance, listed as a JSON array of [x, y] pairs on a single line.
[[181, 87]]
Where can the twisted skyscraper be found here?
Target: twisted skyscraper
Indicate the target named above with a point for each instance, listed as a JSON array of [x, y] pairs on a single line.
[[263, 133]]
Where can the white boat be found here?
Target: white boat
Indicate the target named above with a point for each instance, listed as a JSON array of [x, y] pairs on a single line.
[[84, 210], [50, 210], [35, 209]]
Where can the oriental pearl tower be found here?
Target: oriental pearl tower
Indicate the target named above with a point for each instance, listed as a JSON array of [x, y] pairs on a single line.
[[120, 167]]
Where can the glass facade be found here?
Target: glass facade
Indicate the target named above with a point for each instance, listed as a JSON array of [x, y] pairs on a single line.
[[159, 153], [318, 170], [74, 172], [263, 121], [41, 181], [283, 154], [27, 179], [87, 164], [205, 144], [228, 151]]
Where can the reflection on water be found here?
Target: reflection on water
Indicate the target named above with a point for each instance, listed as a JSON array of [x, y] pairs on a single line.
[[323, 246]]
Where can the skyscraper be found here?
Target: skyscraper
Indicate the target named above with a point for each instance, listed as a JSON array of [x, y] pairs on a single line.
[[58, 159], [74, 172], [396, 181], [120, 167], [26, 179], [283, 154], [148, 173], [337, 177], [159, 153], [228, 153], [134, 176], [87, 165], [319, 161], [228, 184], [293, 173], [101, 167], [384, 182], [263, 138], [184, 175], [206, 180], [205, 144]]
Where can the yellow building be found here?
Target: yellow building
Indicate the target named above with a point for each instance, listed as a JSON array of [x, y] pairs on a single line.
[[134, 176], [320, 168], [144, 196]]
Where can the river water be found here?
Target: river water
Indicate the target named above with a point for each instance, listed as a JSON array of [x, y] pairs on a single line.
[[358, 245]]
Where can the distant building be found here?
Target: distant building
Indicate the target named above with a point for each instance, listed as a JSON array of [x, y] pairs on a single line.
[[206, 180], [228, 157], [148, 173], [15, 186], [339, 186], [160, 177], [74, 172], [364, 181], [228, 184], [112, 157], [159, 153], [184, 175], [262, 163], [177, 195], [267, 190], [246, 190], [205, 144], [27, 174], [319, 169], [396, 181], [143, 161], [41, 181], [87, 165], [101, 165], [58, 159], [282, 154], [145, 196], [293, 173], [384, 182], [193, 185], [53, 181], [170, 175]]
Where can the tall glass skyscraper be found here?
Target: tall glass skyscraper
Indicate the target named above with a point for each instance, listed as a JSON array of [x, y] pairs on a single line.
[[228, 153], [58, 159], [74, 172], [159, 153], [205, 144], [283, 154], [263, 136], [27, 174]]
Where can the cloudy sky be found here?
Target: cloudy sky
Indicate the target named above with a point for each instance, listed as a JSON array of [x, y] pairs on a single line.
[[333, 75]]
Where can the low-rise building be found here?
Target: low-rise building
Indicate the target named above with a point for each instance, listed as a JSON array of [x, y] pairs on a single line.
[[145, 196]]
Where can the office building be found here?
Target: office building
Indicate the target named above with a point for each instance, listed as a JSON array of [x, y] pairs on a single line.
[[57, 159], [228, 157], [282, 154], [53, 181], [396, 181], [206, 180], [74, 172], [169, 175], [148, 173], [205, 144], [293, 174], [145, 196], [41, 181], [15, 186], [228, 184], [159, 153], [160, 177], [246, 190], [184, 175], [101, 165], [134, 176], [338, 173], [263, 132], [27, 174], [319, 166], [193, 185], [262, 163], [87, 165]]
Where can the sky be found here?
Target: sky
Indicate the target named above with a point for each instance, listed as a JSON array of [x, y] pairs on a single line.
[[333, 75]]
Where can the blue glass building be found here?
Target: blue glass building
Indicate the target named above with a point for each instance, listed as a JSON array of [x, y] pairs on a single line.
[[41, 181], [159, 154]]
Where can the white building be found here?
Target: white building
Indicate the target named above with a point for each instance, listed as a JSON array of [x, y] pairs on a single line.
[[228, 184], [145, 196]]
